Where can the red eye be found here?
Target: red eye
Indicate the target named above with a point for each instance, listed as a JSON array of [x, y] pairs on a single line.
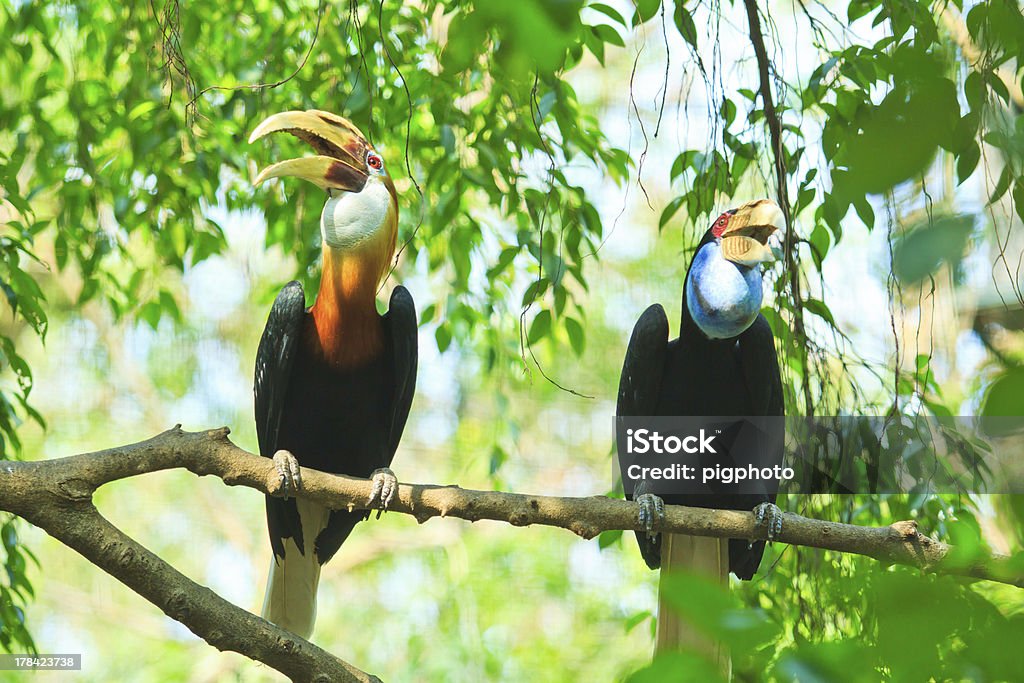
[[719, 227], [374, 161]]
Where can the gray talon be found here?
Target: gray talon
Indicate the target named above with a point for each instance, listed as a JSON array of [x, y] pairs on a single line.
[[769, 515], [652, 512], [385, 485], [288, 469]]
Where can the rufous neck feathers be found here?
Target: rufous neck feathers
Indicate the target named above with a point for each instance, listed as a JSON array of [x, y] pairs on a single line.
[[347, 329]]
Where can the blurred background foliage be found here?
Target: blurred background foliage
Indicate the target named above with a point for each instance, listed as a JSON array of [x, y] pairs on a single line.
[[557, 162]]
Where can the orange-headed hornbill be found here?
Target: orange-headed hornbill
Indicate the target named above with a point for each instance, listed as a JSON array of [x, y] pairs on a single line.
[[334, 382], [722, 364]]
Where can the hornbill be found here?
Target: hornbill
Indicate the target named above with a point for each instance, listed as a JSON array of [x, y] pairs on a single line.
[[334, 382], [722, 364]]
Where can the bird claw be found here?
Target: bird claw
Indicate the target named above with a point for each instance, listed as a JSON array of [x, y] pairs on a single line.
[[288, 469], [652, 512], [385, 485], [769, 515]]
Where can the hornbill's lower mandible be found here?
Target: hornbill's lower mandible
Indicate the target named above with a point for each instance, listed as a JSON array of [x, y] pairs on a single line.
[[722, 364], [334, 382]]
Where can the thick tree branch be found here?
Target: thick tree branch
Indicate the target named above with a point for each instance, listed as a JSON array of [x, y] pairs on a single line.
[[56, 495]]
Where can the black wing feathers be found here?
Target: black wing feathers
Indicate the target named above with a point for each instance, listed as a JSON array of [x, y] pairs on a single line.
[[274, 361], [639, 390], [640, 383], [400, 326]]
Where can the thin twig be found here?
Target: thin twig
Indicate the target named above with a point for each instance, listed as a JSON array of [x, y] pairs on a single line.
[[778, 154]]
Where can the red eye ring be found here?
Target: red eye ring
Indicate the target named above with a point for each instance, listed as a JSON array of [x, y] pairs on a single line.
[[720, 225], [374, 161]]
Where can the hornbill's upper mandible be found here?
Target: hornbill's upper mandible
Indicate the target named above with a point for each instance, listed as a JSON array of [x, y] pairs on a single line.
[[334, 382], [722, 364]]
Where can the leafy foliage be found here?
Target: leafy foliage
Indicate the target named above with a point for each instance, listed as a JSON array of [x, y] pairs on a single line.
[[123, 128], [913, 626], [119, 135]]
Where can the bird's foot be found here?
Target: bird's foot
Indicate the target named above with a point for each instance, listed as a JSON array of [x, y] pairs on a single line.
[[769, 515], [289, 471], [385, 486], [652, 512]]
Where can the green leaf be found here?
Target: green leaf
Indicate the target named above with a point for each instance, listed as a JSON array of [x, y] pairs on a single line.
[[608, 538], [670, 210], [636, 619], [728, 111], [577, 339], [679, 166], [427, 314], [820, 242], [150, 312], [859, 8], [443, 337], [927, 246], [142, 109], [595, 45], [540, 327], [535, 291], [607, 34], [645, 9], [609, 12], [818, 308], [967, 161], [814, 83], [863, 208], [684, 23], [1002, 185], [974, 90]]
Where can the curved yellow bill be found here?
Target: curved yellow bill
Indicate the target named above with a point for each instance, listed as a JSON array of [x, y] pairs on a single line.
[[746, 251], [745, 240], [324, 172], [341, 149]]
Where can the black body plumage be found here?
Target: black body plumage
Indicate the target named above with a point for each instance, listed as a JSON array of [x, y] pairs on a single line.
[[338, 420], [696, 376]]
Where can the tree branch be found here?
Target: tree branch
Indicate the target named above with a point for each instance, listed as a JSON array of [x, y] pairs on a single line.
[[56, 495]]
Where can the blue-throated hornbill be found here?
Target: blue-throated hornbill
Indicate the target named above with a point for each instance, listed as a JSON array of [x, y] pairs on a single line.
[[334, 382], [722, 364]]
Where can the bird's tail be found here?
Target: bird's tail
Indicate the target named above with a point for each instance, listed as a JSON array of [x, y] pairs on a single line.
[[290, 600], [701, 556]]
